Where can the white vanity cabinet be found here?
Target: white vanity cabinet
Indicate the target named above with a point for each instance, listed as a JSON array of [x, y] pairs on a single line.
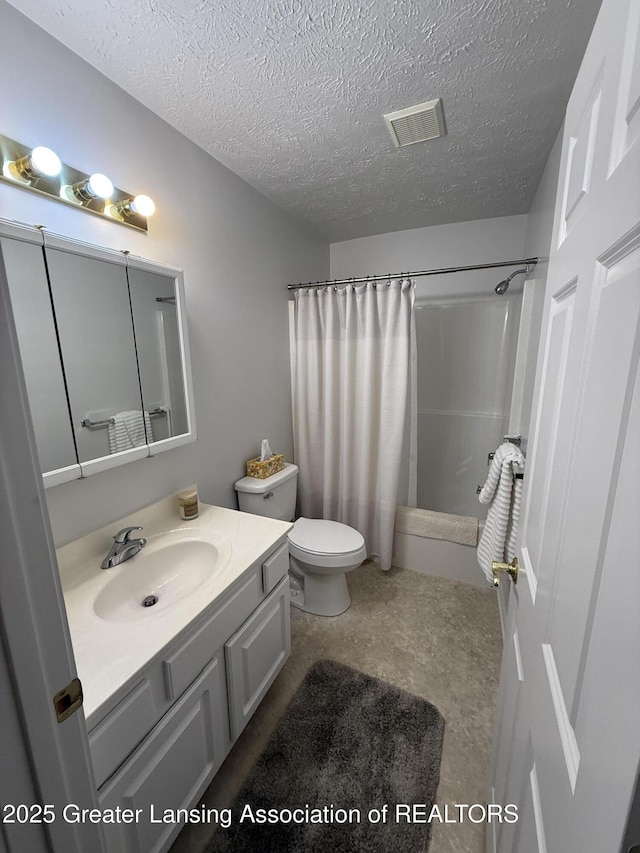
[[158, 743], [255, 655], [171, 767]]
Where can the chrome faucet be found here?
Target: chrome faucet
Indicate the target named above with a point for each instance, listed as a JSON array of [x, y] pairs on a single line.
[[123, 548]]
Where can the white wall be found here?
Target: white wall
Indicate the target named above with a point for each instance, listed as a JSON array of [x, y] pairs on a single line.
[[458, 244], [237, 250]]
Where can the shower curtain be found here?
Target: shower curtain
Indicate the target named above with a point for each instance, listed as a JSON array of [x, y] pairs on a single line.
[[354, 405]]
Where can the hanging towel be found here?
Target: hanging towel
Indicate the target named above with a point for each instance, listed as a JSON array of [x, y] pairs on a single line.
[[128, 430], [503, 492]]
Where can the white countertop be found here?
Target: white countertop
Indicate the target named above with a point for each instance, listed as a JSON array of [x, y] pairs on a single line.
[[108, 653]]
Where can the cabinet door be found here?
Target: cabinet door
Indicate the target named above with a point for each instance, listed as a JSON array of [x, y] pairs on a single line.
[[97, 343], [41, 363], [171, 768], [255, 654]]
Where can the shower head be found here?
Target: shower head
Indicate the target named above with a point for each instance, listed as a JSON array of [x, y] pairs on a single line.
[[502, 288]]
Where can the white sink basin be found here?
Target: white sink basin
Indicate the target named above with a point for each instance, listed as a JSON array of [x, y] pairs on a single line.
[[171, 567]]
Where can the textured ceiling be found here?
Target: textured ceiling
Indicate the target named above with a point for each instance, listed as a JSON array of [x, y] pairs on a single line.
[[290, 95]]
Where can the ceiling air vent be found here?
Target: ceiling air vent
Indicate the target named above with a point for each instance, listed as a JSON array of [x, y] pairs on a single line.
[[416, 124]]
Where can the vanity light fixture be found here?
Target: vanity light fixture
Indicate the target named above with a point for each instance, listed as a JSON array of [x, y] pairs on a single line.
[[95, 186], [40, 162], [41, 171], [140, 204]]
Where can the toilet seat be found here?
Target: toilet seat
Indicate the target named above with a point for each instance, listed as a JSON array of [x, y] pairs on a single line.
[[323, 543], [321, 552]]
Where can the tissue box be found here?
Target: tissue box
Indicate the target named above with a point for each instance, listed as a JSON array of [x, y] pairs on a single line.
[[262, 470]]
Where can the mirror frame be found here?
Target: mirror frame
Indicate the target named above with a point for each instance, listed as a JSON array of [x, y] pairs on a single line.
[[79, 470]]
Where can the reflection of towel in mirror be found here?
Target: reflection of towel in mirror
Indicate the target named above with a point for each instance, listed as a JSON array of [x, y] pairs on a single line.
[[503, 493], [128, 430]]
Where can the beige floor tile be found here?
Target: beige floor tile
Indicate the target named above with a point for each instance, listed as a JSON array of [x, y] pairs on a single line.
[[436, 638]]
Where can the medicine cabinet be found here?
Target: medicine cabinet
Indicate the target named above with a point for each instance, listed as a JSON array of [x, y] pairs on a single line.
[[103, 342]]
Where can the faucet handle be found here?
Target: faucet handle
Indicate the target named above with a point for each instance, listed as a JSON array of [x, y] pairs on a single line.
[[123, 536]]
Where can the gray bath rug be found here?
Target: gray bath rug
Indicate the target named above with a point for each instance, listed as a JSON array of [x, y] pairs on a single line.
[[350, 759]]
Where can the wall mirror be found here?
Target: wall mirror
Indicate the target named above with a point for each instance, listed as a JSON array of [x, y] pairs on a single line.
[[103, 342]]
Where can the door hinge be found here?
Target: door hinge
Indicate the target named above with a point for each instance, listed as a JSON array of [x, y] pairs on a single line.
[[68, 700]]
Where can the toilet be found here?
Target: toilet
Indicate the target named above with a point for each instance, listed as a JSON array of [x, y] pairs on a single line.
[[321, 552]]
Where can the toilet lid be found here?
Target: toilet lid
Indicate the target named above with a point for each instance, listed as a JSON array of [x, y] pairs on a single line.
[[320, 536]]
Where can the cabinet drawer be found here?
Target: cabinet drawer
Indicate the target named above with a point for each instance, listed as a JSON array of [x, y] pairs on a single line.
[[256, 654], [184, 662], [188, 660], [171, 769], [275, 568], [112, 740]]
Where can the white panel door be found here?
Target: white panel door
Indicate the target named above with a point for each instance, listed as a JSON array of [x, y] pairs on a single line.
[[567, 745]]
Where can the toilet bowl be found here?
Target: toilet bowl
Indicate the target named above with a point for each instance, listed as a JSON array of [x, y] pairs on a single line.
[[321, 552]]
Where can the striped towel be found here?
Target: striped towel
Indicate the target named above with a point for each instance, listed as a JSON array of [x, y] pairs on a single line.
[[503, 493], [128, 430]]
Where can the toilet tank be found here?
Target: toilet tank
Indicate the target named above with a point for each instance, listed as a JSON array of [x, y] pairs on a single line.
[[274, 496]]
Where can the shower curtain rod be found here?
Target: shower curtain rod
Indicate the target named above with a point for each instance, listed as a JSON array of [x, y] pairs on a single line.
[[529, 262]]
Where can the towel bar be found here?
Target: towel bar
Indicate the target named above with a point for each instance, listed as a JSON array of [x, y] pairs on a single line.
[[518, 471], [89, 424], [513, 439]]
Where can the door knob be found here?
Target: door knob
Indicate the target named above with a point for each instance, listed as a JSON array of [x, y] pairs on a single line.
[[510, 568]]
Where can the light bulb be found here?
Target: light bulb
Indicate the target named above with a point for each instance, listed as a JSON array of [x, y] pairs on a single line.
[[96, 186], [44, 161], [99, 186], [142, 205], [40, 162]]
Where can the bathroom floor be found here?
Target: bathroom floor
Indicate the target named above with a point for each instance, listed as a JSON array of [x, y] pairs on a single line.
[[436, 638]]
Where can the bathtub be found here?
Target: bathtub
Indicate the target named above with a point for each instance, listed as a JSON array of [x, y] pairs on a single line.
[[436, 543]]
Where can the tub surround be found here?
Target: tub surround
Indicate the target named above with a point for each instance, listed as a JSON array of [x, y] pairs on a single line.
[[438, 557], [109, 653]]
